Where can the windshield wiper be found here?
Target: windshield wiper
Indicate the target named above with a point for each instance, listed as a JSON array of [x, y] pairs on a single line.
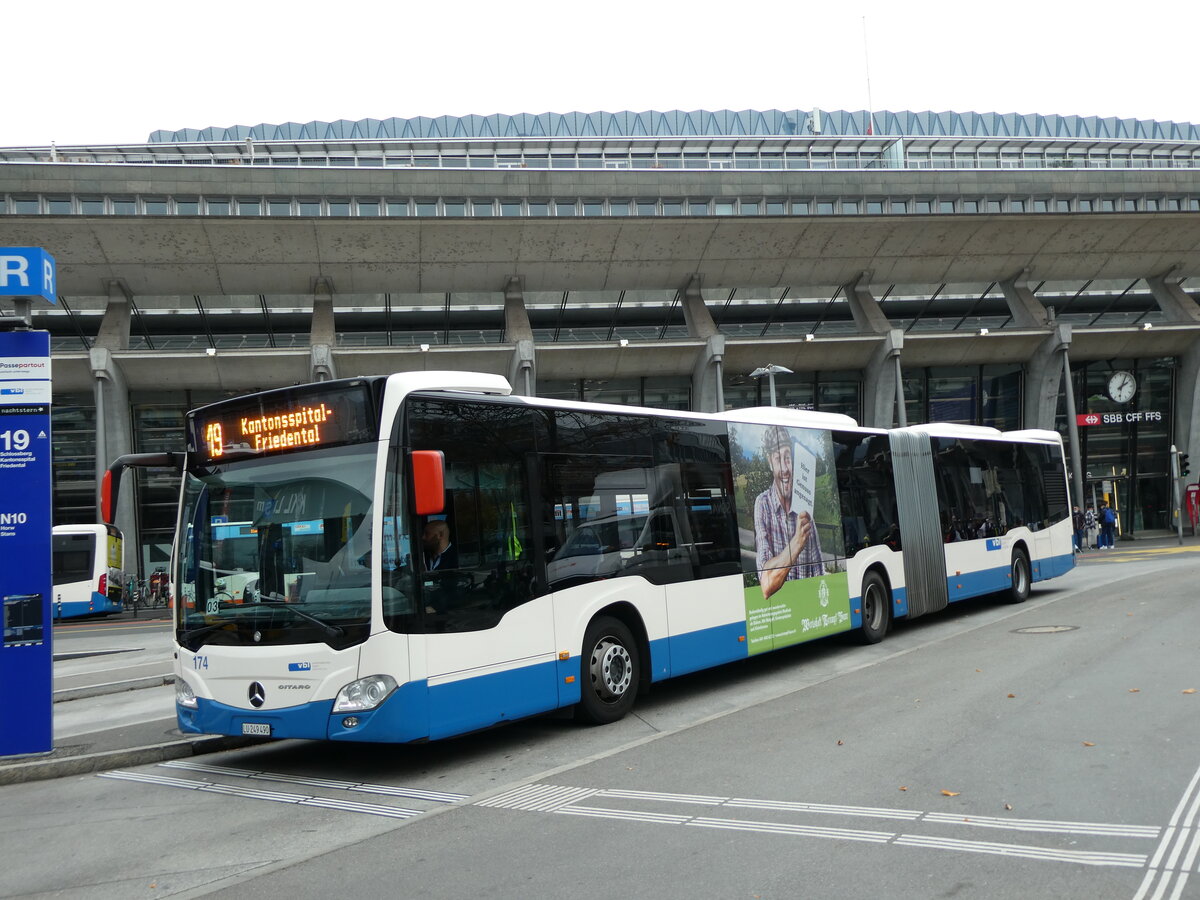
[[329, 630], [188, 636]]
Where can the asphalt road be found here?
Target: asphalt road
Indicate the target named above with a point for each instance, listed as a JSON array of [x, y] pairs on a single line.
[[1050, 749]]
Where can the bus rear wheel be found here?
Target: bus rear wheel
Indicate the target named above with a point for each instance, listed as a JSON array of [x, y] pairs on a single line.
[[876, 609], [1019, 577], [610, 669]]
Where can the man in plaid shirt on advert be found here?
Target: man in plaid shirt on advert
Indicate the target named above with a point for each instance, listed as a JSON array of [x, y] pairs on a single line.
[[785, 542]]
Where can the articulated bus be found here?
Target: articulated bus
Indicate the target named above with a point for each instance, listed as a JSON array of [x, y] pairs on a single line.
[[432, 556], [88, 570]]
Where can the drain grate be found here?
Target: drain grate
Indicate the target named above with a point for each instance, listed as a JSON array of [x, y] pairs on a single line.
[[1045, 629]]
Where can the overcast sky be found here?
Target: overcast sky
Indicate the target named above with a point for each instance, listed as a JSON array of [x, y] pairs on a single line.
[[94, 73]]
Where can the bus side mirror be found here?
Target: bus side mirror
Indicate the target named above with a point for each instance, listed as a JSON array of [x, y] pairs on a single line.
[[429, 482], [110, 486], [108, 501]]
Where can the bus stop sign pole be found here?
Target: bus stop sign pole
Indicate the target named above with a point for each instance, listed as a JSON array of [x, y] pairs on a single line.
[[26, 655]]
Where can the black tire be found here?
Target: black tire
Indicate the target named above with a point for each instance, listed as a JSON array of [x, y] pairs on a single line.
[[876, 605], [1020, 577], [609, 668]]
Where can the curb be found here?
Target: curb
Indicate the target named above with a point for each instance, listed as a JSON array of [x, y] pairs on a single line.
[[42, 769], [112, 687]]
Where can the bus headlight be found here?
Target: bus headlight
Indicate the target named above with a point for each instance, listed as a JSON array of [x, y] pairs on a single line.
[[184, 695], [366, 693]]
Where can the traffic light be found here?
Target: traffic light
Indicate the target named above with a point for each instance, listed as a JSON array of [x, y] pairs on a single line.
[[1183, 465]]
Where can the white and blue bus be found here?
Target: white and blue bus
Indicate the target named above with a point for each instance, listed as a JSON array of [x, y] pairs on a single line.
[[432, 556], [88, 570]]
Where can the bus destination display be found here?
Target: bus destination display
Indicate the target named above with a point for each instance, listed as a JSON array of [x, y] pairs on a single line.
[[284, 420]]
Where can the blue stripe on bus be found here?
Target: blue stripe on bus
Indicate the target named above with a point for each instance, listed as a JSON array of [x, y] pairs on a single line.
[[473, 703], [308, 720], [1054, 566], [975, 584], [96, 603], [987, 581], [707, 647]]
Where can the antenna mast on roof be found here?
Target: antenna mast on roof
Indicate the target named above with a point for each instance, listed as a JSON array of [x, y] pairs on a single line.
[[867, 67]]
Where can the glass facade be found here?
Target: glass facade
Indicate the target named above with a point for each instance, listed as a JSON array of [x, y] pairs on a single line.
[[834, 392], [964, 395], [1126, 453], [73, 432], [654, 391]]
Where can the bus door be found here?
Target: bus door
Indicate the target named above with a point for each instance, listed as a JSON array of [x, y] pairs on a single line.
[[483, 630]]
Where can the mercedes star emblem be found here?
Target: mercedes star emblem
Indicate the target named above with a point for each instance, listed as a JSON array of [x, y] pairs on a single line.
[[257, 694]]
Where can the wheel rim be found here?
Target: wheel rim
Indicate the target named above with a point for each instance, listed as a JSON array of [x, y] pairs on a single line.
[[611, 669], [1020, 575], [872, 608]]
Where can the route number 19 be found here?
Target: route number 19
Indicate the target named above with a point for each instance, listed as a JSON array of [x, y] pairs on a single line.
[[14, 440]]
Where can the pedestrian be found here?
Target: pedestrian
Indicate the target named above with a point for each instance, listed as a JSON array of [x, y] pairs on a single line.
[[1077, 522], [1108, 526]]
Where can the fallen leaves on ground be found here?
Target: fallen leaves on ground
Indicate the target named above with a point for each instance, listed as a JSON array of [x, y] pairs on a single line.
[[946, 793], [1088, 744]]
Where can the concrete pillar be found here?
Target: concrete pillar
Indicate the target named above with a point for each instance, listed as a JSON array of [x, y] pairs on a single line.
[[321, 362], [708, 389], [322, 336], [699, 320], [1027, 311], [114, 436], [115, 326], [522, 368], [868, 317], [1043, 377], [1176, 305], [880, 381]]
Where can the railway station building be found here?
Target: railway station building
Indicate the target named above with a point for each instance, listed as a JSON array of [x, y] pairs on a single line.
[[902, 267]]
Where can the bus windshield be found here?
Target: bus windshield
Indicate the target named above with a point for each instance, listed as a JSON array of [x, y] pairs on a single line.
[[278, 551]]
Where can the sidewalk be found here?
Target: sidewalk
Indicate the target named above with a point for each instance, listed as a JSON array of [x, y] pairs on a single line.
[[104, 721]]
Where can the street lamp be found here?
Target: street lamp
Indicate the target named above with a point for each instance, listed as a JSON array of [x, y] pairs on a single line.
[[771, 370]]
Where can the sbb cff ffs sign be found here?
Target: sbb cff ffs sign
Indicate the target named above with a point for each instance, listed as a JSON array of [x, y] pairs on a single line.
[[1117, 418], [27, 272]]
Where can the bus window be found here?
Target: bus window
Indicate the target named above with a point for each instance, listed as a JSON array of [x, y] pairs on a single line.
[[73, 556], [489, 566], [614, 517]]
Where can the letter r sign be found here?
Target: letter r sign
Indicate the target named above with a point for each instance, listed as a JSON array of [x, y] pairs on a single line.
[[27, 272]]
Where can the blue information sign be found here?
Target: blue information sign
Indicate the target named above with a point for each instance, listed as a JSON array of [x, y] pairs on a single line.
[[26, 657], [28, 272]]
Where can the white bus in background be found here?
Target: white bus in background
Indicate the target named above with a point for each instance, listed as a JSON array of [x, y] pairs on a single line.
[[88, 570]]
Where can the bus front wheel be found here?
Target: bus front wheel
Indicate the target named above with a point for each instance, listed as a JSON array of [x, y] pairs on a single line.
[[1018, 588], [876, 609], [610, 668]]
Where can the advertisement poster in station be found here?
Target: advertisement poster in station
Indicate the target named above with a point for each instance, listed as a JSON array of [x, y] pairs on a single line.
[[790, 527], [25, 582]]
